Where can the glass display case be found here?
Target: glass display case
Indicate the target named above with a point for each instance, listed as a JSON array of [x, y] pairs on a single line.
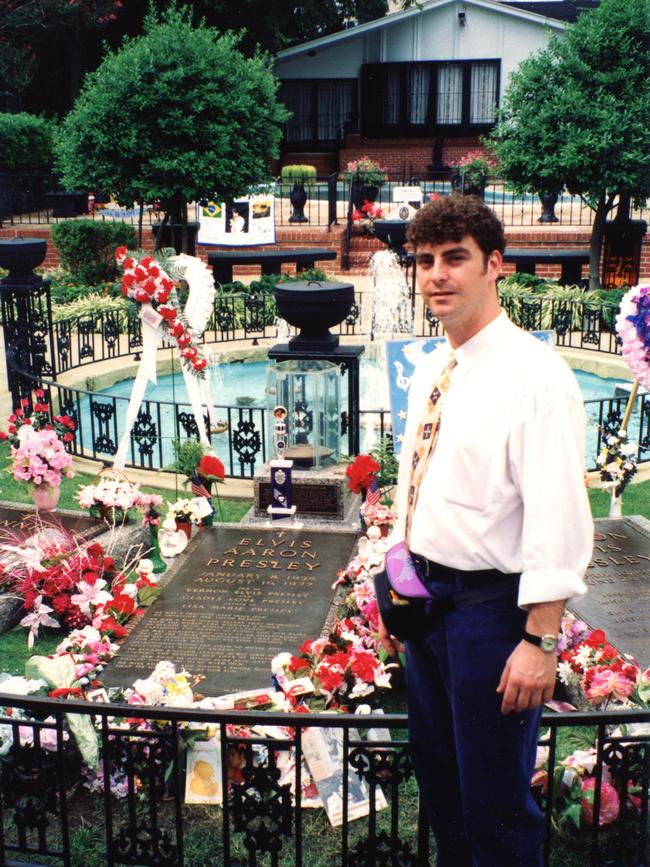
[[304, 417]]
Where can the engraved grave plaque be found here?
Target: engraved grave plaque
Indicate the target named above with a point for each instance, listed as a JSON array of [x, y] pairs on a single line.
[[241, 596], [27, 521], [618, 578]]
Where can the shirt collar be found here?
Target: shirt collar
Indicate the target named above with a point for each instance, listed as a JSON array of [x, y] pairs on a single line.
[[489, 336]]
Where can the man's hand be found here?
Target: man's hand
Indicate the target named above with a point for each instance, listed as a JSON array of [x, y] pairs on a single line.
[[528, 678], [392, 645]]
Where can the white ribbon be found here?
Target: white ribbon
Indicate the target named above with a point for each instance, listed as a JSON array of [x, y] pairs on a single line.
[[151, 334], [197, 312]]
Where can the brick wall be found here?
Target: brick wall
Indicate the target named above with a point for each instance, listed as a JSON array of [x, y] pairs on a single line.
[[403, 157], [288, 238], [334, 240]]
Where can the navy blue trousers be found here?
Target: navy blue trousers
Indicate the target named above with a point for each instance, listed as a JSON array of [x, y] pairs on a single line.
[[473, 764]]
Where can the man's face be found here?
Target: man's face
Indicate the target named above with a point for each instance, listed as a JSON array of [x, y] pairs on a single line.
[[458, 286]]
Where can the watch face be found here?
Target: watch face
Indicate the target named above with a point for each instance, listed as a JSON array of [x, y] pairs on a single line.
[[548, 643]]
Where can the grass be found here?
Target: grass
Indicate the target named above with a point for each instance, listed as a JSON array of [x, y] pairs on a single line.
[[636, 500], [19, 492]]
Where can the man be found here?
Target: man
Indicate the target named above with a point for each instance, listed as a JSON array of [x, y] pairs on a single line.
[[499, 514]]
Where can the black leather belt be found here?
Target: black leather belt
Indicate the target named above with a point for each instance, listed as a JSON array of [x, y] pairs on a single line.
[[428, 569]]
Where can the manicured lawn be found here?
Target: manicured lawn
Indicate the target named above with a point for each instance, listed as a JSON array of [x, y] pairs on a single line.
[[21, 492], [636, 500]]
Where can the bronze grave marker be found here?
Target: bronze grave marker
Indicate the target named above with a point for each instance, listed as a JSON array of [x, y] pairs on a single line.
[[240, 597], [24, 520], [618, 578]]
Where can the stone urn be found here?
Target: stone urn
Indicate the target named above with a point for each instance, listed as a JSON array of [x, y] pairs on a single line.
[[314, 307], [362, 192], [549, 201], [298, 199], [20, 256]]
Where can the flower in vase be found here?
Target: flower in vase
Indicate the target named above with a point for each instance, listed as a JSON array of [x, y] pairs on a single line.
[[41, 459]]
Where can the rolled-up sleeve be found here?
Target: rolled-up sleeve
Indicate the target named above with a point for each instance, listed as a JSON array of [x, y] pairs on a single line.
[[547, 462]]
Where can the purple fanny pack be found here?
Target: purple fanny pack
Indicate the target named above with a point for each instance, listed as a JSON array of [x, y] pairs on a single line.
[[401, 573]]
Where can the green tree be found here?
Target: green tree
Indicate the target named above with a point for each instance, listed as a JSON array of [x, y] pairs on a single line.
[[577, 113], [277, 24], [179, 114]]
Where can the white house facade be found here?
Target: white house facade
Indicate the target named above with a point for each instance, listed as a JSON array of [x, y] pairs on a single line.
[[416, 85]]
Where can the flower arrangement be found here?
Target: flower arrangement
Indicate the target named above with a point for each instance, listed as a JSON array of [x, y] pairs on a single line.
[[112, 498], [211, 468], [617, 462], [41, 459], [378, 515], [370, 173], [368, 213], [185, 511], [146, 283], [361, 472], [594, 669], [474, 166], [36, 415], [64, 585], [342, 667], [633, 327]]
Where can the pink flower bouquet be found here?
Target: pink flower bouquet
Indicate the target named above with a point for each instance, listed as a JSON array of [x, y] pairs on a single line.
[[41, 459]]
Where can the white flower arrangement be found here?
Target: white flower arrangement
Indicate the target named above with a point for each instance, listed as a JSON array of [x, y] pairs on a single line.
[[617, 462], [184, 510]]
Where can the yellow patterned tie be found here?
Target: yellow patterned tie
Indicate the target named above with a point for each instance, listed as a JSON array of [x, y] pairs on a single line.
[[425, 439]]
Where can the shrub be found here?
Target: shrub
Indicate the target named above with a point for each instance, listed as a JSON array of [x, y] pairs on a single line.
[[26, 144], [64, 289], [611, 299], [86, 248], [298, 174], [95, 305]]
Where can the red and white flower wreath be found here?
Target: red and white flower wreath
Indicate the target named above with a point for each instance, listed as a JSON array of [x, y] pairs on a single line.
[[145, 282]]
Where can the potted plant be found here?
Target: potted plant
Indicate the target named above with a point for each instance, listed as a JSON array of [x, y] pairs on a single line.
[[37, 441], [187, 455], [185, 513], [471, 173], [365, 177]]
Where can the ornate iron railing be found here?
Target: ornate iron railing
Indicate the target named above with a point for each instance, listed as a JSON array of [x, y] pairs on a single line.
[[43, 806], [24, 201], [85, 340]]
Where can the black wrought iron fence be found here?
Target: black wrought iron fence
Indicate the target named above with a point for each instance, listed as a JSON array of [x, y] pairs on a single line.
[[134, 811], [29, 200], [240, 433]]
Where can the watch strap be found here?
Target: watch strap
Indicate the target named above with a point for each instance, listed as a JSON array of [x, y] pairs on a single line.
[[540, 640]]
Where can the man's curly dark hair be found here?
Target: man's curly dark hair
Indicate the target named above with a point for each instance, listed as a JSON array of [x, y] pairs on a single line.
[[453, 217]]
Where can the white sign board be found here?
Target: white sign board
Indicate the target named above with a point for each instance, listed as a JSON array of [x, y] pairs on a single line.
[[407, 194]]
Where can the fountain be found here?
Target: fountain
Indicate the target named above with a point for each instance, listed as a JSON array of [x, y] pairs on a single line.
[[304, 390]]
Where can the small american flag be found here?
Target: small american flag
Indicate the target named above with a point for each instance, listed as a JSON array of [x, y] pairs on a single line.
[[374, 494], [198, 488]]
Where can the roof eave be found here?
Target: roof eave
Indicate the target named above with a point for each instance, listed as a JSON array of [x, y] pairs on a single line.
[[387, 20]]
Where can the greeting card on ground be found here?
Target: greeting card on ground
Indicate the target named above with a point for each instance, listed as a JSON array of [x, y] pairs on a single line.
[[203, 778]]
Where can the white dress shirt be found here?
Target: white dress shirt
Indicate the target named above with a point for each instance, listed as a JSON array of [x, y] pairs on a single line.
[[504, 488]]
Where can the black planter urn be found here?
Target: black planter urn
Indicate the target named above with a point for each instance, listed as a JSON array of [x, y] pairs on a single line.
[[20, 256], [314, 307], [363, 193], [548, 200], [298, 199], [461, 184]]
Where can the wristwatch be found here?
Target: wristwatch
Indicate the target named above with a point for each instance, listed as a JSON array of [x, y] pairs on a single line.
[[547, 643]]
